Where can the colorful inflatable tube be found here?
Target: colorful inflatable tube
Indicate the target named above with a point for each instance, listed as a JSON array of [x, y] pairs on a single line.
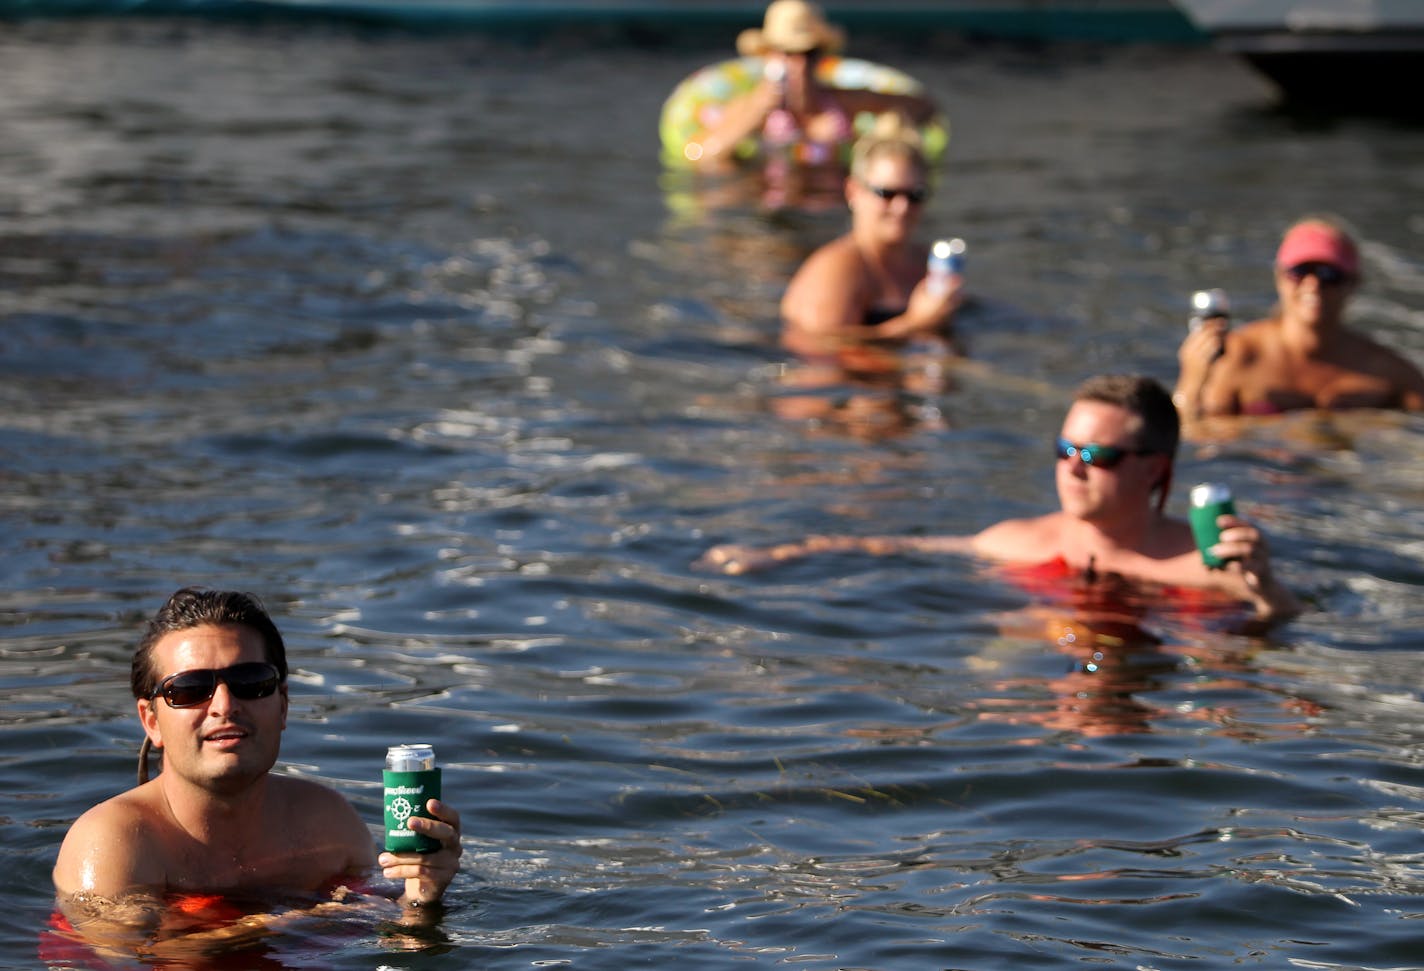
[[696, 101]]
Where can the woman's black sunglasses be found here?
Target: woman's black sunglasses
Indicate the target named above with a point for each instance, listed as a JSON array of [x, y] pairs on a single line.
[[1324, 273], [247, 682], [914, 196]]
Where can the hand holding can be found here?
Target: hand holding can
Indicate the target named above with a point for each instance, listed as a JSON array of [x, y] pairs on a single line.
[[411, 779], [1208, 501], [1209, 305], [946, 261]]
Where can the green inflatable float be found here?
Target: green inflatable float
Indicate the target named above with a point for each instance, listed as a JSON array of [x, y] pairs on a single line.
[[698, 98]]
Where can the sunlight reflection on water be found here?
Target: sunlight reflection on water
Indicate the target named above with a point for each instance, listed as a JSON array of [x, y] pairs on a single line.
[[404, 333]]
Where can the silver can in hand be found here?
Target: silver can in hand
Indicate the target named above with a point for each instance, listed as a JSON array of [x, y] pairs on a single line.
[[411, 779], [946, 260], [1209, 305]]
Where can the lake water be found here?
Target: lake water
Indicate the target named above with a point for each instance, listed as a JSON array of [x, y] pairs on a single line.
[[410, 334]]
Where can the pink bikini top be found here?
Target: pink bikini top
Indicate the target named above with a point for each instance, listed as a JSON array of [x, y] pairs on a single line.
[[782, 128]]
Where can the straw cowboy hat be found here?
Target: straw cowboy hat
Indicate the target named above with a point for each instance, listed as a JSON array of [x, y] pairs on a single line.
[[791, 27]]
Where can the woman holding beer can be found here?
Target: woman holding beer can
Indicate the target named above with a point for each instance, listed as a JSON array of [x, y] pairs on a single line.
[[1303, 355], [870, 284]]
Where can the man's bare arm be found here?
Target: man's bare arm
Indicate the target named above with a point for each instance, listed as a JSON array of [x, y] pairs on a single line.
[[736, 558]]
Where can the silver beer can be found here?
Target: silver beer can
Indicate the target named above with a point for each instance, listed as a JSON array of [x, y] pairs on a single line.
[[410, 780], [1209, 494], [1207, 304], [411, 757]]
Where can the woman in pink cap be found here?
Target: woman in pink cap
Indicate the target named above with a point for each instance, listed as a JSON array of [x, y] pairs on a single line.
[[1303, 356]]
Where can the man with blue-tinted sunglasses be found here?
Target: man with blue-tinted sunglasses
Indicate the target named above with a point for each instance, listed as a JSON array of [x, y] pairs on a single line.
[[1115, 454], [1303, 355]]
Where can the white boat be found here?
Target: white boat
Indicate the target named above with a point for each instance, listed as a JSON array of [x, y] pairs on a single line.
[[1363, 55]]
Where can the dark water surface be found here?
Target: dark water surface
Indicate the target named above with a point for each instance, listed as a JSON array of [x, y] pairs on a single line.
[[410, 335]]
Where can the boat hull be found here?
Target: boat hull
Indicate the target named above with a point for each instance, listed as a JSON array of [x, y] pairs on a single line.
[[1361, 56]]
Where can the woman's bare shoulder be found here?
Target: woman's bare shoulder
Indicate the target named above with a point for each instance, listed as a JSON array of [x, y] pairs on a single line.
[[828, 291], [837, 255]]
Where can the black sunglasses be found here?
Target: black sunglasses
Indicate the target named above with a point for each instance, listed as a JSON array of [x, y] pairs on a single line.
[[1099, 456], [247, 682], [1325, 274], [913, 196]]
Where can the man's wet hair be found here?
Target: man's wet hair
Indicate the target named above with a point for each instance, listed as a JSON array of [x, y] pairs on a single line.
[[194, 607], [199, 607], [1144, 397]]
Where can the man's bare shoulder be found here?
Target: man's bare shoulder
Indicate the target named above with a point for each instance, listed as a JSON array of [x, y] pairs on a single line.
[[298, 795], [113, 846], [305, 794], [320, 813], [1034, 539]]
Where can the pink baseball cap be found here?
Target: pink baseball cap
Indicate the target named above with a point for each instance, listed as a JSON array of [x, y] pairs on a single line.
[[1317, 242]]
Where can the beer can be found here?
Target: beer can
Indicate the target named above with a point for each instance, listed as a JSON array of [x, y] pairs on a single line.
[[946, 260], [411, 778], [1207, 501], [1207, 304]]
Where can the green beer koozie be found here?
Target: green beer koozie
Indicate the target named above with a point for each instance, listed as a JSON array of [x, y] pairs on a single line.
[[1208, 501], [406, 795]]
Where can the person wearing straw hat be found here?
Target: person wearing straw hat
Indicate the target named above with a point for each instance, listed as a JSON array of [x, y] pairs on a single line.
[[1303, 355], [788, 106]]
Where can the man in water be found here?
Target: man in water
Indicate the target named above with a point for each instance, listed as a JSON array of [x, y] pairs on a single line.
[[210, 680], [1114, 471], [1303, 355]]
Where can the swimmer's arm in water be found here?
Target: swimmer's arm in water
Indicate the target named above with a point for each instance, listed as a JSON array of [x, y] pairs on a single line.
[[741, 118], [735, 559]]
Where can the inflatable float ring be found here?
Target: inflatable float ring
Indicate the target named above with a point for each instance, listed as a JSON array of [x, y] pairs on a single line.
[[698, 99]]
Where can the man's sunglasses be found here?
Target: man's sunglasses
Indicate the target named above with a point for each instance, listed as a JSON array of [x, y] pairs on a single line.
[[1325, 274], [914, 196], [1098, 456], [247, 682]]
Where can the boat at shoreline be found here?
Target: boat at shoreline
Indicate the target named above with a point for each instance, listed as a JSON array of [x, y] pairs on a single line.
[[1356, 55]]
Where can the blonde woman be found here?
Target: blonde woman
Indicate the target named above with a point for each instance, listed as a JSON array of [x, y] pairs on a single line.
[[869, 285]]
